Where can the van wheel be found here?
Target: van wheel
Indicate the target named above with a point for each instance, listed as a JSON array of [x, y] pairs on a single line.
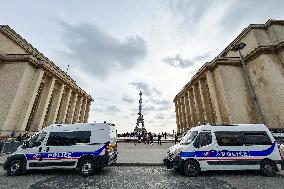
[[268, 168], [87, 168], [15, 168], [191, 168]]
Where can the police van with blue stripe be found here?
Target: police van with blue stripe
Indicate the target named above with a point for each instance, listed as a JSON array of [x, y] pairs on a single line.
[[226, 147], [83, 146]]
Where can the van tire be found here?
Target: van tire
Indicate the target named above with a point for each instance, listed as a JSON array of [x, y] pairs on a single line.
[[15, 167], [191, 168], [87, 168], [268, 168]]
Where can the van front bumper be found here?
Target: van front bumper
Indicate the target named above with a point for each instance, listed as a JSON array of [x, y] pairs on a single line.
[[281, 162], [176, 163], [101, 161]]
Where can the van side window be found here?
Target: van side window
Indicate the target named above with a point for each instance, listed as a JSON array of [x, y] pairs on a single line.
[[203, 139], [256, 138], [82, 136], [68, 138], [61, 139], [226, 138]]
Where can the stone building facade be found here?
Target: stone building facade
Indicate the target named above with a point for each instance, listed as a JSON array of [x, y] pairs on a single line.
[[218, 92], [34, 92]]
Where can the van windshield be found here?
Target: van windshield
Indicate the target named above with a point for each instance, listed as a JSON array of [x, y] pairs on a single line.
[[189, 137]]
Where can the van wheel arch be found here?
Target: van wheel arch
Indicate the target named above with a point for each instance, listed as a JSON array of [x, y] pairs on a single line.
[[194, 164], [83, 158], [18, 159], [271, 165]]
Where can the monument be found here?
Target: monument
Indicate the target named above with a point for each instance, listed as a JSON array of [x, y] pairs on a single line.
[[140, 128]]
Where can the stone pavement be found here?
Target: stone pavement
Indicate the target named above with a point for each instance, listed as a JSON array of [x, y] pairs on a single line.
[[131, 153], [3, 158], [132, 177]]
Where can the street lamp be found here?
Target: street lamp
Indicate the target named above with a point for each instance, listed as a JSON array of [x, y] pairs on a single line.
[[238, 47]]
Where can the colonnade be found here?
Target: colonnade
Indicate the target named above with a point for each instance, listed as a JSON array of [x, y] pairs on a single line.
[[194, 105]]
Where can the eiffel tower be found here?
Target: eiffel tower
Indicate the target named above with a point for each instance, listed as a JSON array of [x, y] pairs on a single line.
[[140, 128]]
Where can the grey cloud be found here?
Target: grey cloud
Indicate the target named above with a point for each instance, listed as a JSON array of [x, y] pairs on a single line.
[[148, 108], [127, 99], [144, 87], [190, 12], [157, 91], [162, 104], [251, 12], [159, 116], [238, 14], [180, 62], [97, 52], [110, 110], [160, 101]]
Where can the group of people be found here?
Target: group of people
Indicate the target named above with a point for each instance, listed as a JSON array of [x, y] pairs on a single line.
[[148, 138], [13, 137]]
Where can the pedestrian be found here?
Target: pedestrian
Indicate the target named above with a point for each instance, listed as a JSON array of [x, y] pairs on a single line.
[[152, 139], [176, 138], [139, 138], [159, 139], [19, 138], [165, 135]]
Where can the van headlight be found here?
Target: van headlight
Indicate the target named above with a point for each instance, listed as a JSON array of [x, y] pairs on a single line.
[[177, 151]]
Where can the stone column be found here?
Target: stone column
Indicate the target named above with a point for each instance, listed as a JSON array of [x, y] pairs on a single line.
[[54, 108], [193, 107], [213, 97], [208, 110], [83, 110], [184, 117], [203, 102], [177, 116], [188, 111], [221, 98], [64, 106], [77, 109], [30, 97], [71, 108], [87, 111], [181, 114], [43, 104], [197, 103]]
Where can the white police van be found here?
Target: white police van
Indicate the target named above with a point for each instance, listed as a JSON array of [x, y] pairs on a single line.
[[83, 146], [226, 147]]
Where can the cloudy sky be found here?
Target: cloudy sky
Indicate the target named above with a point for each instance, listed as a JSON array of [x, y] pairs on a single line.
[[116, 48]]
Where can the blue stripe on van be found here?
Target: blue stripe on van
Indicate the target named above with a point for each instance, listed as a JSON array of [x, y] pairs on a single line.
[[63, 155], [227, 153]]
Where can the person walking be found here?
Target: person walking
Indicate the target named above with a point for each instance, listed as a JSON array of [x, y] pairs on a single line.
[[152, 139], [176, 138], [159, 139]]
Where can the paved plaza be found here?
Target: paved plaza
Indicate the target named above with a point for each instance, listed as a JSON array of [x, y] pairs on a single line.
[[131, 176], [153, 177], [130, 153]]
